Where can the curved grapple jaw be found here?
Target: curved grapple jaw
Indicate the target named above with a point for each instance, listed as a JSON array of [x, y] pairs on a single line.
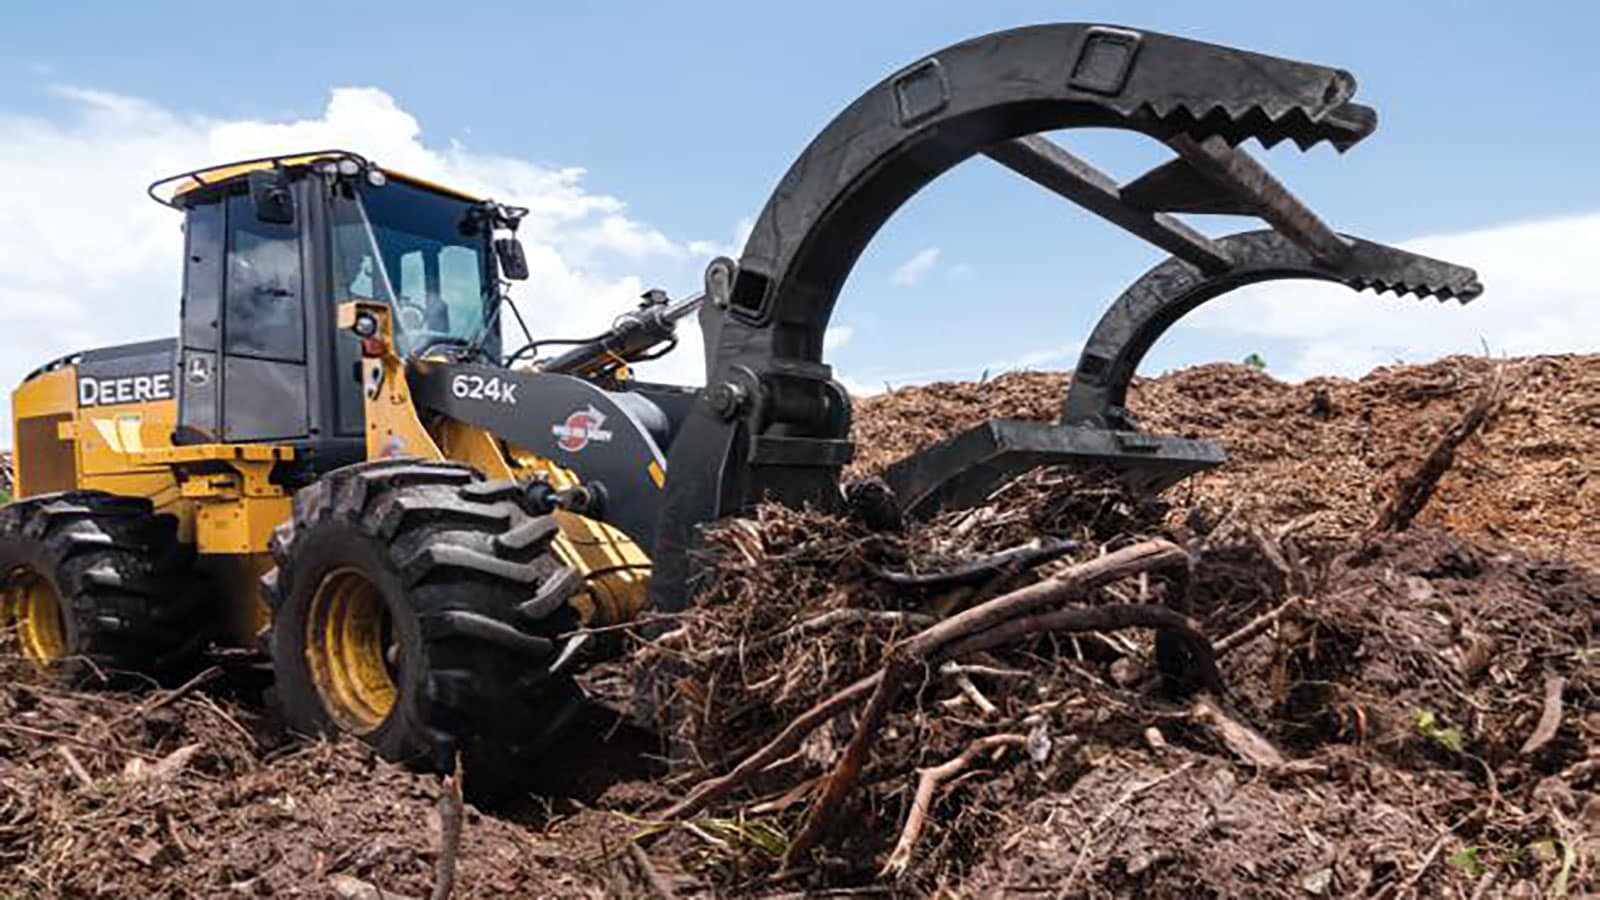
[[773, 423]]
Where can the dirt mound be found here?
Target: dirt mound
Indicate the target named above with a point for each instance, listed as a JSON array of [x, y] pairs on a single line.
[[1331, 448]]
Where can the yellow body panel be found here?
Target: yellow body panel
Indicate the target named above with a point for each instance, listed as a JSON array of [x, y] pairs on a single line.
[[45, 461], [61, 446], [220, 493], [236, 505], [42, 395]]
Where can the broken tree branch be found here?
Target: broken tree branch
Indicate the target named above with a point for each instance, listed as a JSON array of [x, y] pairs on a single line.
[[1549, 718], [1249, 630], [653, 879], [999, 615], [978, 571], [75, 766], [970, 691], [1415, 490], [1114, 617], [928, 781], [847, 771], [825, 622], [709, 791], [170, 697], [1243, 740], [451, 812]]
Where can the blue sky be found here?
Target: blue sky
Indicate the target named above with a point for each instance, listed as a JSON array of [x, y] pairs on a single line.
[[683, 116]]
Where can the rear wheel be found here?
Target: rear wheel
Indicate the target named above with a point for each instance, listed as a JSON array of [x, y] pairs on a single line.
[[93, 583], [422, 609]]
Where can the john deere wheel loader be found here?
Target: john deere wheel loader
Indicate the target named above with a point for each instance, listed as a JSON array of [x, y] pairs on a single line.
[[341, 461]]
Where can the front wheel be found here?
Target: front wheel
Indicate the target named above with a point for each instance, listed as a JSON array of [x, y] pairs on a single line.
[[423, 610]]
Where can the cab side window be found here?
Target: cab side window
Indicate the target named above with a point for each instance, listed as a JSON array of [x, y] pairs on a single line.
[[202, 275], [262, 292]]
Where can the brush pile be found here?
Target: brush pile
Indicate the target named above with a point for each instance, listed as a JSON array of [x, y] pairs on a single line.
[[1400, 708], [1409, 707]]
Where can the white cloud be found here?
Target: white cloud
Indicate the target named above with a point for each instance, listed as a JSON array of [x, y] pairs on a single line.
[[912, 271], [961, 272], [1540, 297], [89, 260], [836, 337], [741, 234]]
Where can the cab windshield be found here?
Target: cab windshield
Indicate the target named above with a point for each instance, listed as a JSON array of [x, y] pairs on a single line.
[[423, 253]]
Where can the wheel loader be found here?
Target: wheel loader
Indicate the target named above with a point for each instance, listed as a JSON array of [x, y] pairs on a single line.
[[355, 460]]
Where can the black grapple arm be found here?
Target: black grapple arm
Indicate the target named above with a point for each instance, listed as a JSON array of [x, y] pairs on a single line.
[[772, 422]]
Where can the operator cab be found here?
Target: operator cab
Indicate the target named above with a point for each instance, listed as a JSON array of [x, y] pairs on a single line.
[[274, 246]]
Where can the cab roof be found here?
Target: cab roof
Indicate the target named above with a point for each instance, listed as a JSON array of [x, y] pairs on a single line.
[[171, 191]]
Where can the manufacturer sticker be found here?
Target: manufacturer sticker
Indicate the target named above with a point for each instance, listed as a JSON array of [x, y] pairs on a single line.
[[94, 391], [580, 428]]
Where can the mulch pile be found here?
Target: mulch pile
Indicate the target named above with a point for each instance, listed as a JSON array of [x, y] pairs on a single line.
[[1330, 447], [1391, 713]]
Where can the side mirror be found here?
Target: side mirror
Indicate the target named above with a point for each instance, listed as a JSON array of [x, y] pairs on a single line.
[[513, 262], [271, 197]]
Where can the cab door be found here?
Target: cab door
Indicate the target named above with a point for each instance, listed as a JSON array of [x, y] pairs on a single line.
[[243, 374]]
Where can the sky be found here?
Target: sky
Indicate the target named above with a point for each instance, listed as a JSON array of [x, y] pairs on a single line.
[[646, 137]]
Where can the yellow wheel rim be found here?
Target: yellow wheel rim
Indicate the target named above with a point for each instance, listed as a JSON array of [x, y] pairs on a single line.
[[32, 605], [348, 647]]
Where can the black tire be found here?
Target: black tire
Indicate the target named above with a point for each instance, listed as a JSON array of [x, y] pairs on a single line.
[[130, 598], [455, 560]]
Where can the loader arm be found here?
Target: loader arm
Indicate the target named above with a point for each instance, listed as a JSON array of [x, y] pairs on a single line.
[[772, 423]]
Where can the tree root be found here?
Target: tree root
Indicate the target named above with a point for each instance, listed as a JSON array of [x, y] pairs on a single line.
[[928, 781]]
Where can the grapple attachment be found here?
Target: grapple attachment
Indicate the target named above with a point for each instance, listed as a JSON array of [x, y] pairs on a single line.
[[773, 423]]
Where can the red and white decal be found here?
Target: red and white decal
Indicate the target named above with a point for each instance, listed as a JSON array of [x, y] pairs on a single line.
[[580, 428]]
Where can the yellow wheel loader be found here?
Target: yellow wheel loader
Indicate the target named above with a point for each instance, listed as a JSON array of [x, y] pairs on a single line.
[[356, 460]]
